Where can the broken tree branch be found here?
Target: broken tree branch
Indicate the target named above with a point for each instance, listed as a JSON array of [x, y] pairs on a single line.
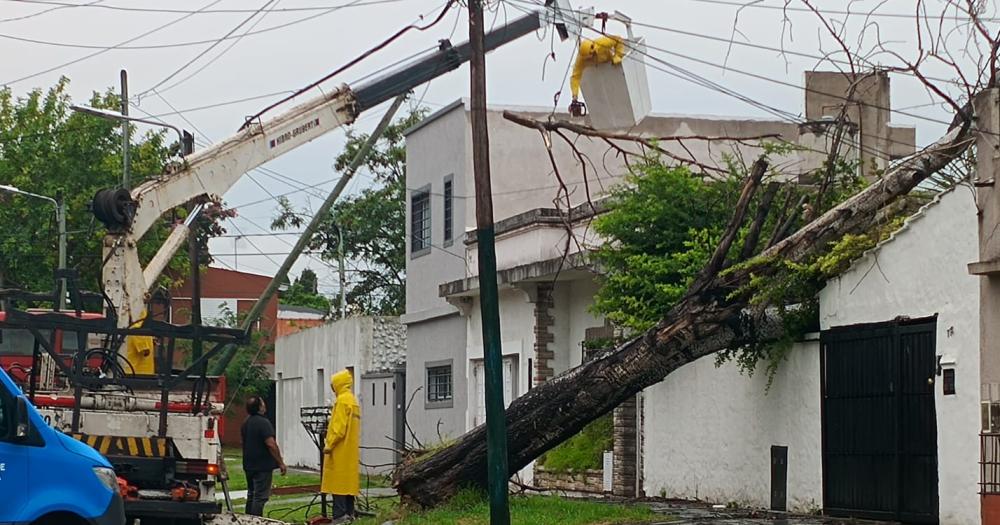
[[700, 324]]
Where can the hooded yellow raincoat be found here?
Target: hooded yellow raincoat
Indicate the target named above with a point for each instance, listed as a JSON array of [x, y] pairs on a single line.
[[140, 351], [342, 448]]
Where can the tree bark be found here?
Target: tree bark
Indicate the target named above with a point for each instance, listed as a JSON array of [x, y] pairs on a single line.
[[706, 321]]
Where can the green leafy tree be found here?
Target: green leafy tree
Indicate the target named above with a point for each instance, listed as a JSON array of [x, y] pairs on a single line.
[[48, 149], [664, 223], [305, 292], [245, 375], [372, 223]]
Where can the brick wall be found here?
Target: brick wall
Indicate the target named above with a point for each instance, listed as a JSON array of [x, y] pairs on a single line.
[[625, 458], [591, 481], [543, 337]]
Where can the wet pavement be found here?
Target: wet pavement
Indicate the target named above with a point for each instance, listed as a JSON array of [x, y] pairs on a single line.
[[686, 513]]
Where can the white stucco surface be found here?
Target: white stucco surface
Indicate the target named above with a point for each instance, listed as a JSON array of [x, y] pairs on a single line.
[[922, 272], [304, 362], [708, 432]]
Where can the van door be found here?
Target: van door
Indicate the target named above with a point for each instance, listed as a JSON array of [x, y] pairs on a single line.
[[13, 462]]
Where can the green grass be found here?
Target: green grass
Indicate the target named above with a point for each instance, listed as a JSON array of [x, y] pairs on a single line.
[[294, 478], [584, 450], [469, 508]]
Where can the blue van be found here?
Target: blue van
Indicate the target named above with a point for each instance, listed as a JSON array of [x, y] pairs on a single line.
[[47, 477]]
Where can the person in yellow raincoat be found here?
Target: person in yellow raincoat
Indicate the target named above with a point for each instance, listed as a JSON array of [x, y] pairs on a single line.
[[139, 351], [605, 48], [342, 448]]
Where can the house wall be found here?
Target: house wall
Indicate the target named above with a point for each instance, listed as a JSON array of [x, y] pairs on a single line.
[[708, 432], [922, 272], [436, 340], [435, 330], [304, 362], [517, 320]]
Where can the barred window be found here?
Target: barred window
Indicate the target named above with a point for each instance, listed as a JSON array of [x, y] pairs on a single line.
[[420, 221], [448, 210], [439, 387]]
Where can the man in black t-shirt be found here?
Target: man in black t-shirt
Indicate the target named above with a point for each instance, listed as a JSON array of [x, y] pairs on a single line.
[[260, 455]]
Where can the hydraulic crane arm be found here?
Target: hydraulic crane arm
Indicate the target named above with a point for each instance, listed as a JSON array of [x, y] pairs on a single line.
[[212, 171]]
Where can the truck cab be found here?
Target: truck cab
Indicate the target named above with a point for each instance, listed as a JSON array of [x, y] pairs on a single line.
[[47, 477]]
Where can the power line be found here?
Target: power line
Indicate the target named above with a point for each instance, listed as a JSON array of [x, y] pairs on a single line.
[[44, 11], [211, 47], [765, 78], [116, 46], [63, 5], [355, 3], [786, 7]]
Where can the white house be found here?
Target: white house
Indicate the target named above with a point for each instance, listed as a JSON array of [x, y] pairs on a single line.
[[715, 431], [374, 349], [877, 415]]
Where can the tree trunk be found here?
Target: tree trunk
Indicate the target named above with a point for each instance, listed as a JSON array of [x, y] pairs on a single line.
[[704, 322]]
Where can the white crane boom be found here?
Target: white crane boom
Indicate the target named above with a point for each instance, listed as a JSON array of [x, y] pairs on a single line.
[[212, 171]]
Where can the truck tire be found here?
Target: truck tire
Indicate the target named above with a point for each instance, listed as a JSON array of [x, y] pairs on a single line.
[[60, 518]]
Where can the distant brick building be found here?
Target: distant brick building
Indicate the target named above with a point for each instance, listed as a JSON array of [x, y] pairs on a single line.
[[223, 289], [291, 319]]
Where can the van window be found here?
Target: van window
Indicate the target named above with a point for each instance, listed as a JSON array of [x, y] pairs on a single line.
[[5, 417]]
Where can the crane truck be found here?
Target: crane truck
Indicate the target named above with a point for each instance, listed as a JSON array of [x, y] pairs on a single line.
[[159, 432]]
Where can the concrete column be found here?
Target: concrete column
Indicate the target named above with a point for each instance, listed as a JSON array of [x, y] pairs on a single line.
[[988, 200]]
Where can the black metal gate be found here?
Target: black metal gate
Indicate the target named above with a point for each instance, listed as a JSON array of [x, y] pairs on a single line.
[[879, 423]]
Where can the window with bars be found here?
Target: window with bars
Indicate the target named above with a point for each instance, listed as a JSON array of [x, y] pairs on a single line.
[[439, 384], [420, 222], [449, 228]]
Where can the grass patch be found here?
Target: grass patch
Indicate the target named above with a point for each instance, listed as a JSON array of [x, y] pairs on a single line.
[[583, 451], [470, 508], [294, 478]]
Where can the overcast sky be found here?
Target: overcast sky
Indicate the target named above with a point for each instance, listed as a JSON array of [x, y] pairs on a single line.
[[295, 42]]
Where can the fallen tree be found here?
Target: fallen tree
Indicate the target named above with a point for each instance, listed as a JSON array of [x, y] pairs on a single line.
[[715, 314]]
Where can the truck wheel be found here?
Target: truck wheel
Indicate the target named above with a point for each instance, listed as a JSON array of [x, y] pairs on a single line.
[[60, 518]]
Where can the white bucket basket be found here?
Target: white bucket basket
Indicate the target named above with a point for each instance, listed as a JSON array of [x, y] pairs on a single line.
[[617, 96]]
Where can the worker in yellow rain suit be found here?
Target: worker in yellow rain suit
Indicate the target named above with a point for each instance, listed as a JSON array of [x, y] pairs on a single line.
[[603, 49], [342, 448], [139, 351]]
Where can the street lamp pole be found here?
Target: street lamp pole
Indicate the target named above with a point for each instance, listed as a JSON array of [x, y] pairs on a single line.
[[185, 138], [60, 205]]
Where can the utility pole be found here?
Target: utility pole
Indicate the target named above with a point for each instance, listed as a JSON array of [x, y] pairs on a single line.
[[496, 428], [61, 221], [125, 131], [340, 264]]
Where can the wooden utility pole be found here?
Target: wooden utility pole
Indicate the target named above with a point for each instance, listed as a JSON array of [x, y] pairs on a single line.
[[496, 428]]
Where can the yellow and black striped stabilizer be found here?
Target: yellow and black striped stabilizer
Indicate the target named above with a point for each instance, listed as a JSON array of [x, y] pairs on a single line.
[[137, 447]]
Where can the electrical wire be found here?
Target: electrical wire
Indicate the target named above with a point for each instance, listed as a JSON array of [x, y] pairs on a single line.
[[207, 50], [786, 7], [44, 11], [220, 55], [106, 49], [356, 60], [717, 65], [172, 45], [63, 5]]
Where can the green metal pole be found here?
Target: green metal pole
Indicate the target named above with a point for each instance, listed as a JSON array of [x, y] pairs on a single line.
[[496, 427]]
